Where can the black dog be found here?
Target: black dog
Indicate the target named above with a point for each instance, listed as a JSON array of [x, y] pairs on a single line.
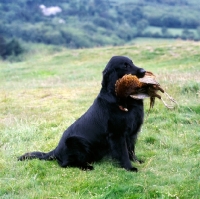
[[104, 129]]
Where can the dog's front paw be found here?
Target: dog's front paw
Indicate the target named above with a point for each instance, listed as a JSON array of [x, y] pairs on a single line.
[[138, 160], [133, 169], [134, 158], [87, 168]]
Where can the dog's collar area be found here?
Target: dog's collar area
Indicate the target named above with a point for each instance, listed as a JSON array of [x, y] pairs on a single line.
[[123, 109]]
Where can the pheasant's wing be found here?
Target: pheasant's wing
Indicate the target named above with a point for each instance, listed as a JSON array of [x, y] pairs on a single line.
[[149, 78], [140, 96]]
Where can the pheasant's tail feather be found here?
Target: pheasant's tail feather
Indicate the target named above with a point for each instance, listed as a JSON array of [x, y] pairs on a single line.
[[169, 106]]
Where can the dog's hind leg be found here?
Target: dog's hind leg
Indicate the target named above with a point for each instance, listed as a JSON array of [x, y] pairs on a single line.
[[79, 153]]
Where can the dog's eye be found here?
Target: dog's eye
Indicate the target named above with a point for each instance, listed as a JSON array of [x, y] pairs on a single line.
[[126, 65]]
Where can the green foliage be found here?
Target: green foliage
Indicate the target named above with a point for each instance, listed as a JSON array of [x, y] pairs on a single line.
[[82, 21], [186, 34], [10, 48]]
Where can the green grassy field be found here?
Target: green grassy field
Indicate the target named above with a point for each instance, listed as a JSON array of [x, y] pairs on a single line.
[[52, 87]]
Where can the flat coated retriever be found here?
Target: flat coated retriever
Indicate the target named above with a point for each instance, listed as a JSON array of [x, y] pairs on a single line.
[[104, 130]]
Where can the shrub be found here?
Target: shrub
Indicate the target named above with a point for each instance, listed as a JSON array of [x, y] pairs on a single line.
[[53, 37], [126, 33], [186, 34], [103, 22], [10, 48], [75, 38]]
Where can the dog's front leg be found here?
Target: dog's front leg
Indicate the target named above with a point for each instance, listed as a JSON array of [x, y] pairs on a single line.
[[131, 141], [119, 151]]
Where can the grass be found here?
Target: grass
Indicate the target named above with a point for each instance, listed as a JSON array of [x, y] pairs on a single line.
[[42, 95]]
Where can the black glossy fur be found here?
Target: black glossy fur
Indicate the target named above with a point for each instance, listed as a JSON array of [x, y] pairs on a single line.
[[104, 129]]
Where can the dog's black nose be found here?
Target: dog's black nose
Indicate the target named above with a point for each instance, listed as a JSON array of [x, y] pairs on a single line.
[[141, 72]]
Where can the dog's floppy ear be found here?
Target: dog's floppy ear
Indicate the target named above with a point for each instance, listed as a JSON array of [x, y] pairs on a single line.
[[105, 77], [106, 72]]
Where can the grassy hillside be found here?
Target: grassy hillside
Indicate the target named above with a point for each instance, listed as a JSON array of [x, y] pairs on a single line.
[[42, 95]]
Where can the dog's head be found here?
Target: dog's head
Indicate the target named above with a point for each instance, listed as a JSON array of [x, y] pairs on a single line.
[[117, 67]]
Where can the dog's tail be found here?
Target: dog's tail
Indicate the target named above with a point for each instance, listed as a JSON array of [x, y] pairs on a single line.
[[38, 155]]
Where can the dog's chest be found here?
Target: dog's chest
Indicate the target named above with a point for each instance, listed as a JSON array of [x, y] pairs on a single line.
[[122, 121]]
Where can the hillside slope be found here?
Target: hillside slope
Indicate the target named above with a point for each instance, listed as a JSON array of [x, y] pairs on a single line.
[[42, 95]]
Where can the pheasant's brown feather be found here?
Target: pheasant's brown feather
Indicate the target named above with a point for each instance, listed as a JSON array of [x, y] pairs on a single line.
[[140, 88], [127, 85]]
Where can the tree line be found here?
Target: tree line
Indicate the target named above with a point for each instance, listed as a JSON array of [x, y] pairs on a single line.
[[89, 23]]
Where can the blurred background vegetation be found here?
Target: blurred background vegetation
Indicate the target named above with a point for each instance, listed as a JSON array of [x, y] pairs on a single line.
[[93, 23]]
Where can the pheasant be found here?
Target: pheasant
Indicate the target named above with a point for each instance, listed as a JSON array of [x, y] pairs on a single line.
[[139, 88]]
